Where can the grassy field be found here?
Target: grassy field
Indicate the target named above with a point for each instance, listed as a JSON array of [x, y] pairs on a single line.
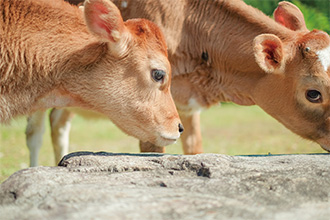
[[227, 129]]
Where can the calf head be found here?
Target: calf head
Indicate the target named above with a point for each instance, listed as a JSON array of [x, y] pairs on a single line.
[[296, 88], [132, 77]]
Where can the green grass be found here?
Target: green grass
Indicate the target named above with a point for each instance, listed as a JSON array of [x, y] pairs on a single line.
[[229, 129]]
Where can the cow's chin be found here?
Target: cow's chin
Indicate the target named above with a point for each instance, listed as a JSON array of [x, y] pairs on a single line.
[[158, 138], [165, 141], [161, 141], [324, 143], [326, 148]]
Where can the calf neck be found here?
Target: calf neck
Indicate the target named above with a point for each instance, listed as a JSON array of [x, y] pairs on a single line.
[[225, 50], [55, 55]]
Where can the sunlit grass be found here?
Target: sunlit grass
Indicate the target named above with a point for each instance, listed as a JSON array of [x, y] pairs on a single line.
[[229, 129], [234, 130]]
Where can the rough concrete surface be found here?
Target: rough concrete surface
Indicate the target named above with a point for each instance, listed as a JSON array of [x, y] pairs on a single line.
[[102, 185]]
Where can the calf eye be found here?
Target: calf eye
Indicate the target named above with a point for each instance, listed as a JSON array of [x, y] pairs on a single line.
[[158, 75], [314, 96]]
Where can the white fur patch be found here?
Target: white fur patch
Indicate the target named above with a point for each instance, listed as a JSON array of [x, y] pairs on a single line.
[[124, 4], [115, 35], [324, 57], [170, 136], [193, 104], [61, 137], [191, 108]]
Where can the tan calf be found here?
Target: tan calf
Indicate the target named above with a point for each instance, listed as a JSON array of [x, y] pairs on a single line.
[[54, 55], [225, 50]]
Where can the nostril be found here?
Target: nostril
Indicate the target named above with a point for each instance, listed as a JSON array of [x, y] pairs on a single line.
[[181, 128]]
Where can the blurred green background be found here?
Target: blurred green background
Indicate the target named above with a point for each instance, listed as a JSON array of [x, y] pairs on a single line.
[[316, 12], [226, 129]]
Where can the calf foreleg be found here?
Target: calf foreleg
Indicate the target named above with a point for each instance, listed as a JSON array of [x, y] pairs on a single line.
[[34, 131], [148, 147], [191, 138], [60, 123]]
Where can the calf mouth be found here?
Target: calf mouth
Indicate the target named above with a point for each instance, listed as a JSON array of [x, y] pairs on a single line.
[[168, 139]]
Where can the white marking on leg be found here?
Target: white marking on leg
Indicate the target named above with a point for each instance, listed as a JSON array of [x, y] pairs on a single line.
[[60, 131], [34, 131]]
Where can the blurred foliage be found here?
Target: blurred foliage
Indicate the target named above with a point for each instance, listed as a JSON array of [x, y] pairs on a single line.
[[267, 6], [320, 5], [314, 17], [316, 12]]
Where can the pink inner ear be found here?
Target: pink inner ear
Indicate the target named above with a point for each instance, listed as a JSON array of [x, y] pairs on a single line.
[[291, 17], [272, 53], [280, 17], [270, 45], [98, 10]]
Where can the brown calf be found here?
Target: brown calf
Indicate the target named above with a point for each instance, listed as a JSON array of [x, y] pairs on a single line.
[[54, 55], [225, 50]]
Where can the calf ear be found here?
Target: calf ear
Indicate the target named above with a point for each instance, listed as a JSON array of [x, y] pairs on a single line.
[[104, 20], [268, 51], [289, 15]]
